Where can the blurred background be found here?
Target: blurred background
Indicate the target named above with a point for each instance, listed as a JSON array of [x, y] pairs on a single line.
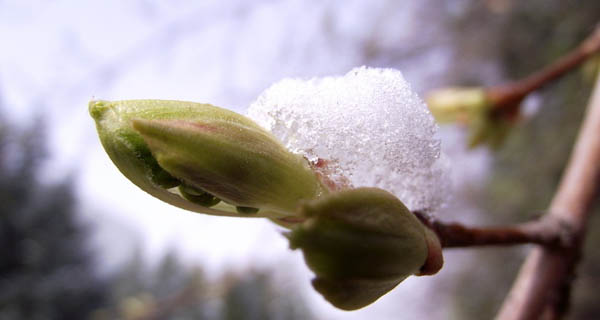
[[77, 240]]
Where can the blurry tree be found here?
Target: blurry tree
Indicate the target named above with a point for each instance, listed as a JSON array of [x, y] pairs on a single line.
[[255, 297], [521, 37], [247, 299], [46, 270], [171, 290]]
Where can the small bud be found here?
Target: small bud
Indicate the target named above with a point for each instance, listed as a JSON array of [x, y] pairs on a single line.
[[360, 243], [488, 130], [457, 104], [211, 153], [200, 197], [475, 108], [247, 210]]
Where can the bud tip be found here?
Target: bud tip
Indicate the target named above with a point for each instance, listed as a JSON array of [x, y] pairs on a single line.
[[97, 108]]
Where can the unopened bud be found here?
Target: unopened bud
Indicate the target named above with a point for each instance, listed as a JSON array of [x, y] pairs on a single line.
[[360, 243], [475, 108], [213, 153], [457, 104]]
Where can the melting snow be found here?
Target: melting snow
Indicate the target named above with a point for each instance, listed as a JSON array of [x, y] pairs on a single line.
[[367, 128]]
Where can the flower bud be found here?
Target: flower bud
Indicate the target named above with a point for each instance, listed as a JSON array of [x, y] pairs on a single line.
[[477, 109], [360, 243], [211, 153], [457, 104]]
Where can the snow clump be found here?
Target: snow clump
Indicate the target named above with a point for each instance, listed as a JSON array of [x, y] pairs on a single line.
[[364, 129]]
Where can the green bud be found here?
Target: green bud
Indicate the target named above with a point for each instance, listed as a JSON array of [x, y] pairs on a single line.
[[216, 153], [200, 197], [474, 108], [490, 130], [360, 244], [247, 210], [457, 104]]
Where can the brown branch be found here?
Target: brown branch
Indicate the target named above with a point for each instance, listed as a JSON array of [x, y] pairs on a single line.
[[547, 232], [541, 289], [508, 96]]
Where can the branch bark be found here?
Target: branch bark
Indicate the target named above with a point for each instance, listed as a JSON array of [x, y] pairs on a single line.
[[542, 287], [507, 97], [547, 232]]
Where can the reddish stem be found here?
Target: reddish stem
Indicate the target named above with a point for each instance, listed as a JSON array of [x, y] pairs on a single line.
[[547, 232], [507, 97]]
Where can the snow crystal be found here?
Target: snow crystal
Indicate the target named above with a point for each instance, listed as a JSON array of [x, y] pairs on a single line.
[[367, 128]]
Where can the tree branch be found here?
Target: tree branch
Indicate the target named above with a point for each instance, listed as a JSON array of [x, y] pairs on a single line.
[[548, 232], [542, 287], [507, 97]]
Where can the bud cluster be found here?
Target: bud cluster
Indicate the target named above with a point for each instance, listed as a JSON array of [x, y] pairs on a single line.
[[360, 243]]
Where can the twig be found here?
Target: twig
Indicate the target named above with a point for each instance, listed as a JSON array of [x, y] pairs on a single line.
[[547, 232], [542, 287], [506, 98]]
